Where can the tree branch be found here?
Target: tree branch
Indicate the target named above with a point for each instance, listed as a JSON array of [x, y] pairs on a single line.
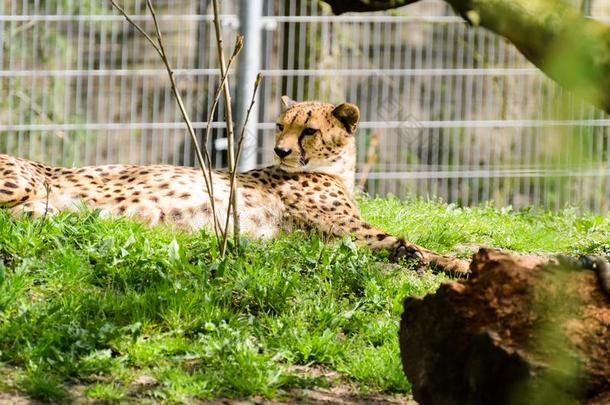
[[239, 42], [343, 6], [137, 27], [229, 122], [233, 172], [160, 48], [568, 47]]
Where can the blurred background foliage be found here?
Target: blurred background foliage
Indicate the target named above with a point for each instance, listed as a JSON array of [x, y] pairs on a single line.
[[456, 110]]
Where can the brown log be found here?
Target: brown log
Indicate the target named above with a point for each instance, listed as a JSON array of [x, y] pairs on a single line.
[[520, 330], [556, 37]]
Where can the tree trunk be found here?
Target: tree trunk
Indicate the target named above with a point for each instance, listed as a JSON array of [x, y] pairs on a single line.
[[517, 331], [571, 49]]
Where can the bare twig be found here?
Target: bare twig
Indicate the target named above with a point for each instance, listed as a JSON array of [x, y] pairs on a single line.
[[204, 158], [239, 42], [137, 27], [187, 120], [160, 48], [233, 172], [229, 123]]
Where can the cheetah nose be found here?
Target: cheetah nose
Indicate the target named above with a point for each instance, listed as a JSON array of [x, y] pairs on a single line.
[[282, 152]]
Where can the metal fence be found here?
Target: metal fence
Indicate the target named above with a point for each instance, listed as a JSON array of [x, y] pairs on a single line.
[[447, 110]]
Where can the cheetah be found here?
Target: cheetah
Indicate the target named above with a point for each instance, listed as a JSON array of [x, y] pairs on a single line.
[[310, 186]]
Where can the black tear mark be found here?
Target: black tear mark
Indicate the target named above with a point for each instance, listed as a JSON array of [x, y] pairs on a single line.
[[303, 159]]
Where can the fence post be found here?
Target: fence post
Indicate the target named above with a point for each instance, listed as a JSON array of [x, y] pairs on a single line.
[[249, 63]]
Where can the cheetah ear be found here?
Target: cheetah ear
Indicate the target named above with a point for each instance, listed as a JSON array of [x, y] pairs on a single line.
[[287, 103], [349, 115]]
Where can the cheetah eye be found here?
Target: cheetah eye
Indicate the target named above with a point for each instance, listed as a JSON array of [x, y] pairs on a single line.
[[279, 127], [309, 131]]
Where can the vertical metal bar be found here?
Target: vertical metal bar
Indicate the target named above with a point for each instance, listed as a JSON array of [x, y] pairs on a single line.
[[291, 39], [397, 94], [365, 28], [145, 133], [478, 183], [135, 56], [33, 86], [466, 142], [190, 39], [269, 92], [437, 106], [250, 17], [22, 66], [301, 63], [501, 159], [102, 93], [456, 135], [494, 182], [52, 139], [11, 81], [448, 99], [88, 99], [3, 35]]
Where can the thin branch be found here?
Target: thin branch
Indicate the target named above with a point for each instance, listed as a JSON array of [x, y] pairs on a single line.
[[233, 173], [239, 42], [229, 123], [160, 48], [191, 130], [137, 27], [209, 181], [172, 79]]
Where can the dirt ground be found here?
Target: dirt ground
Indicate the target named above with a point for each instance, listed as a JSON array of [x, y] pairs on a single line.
[[342, 395], [339, 392]]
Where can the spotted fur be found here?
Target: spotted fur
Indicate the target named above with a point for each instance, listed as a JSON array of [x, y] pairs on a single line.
[[310, 186]]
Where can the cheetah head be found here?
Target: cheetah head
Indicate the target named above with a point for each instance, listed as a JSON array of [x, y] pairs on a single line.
[[317, 137]]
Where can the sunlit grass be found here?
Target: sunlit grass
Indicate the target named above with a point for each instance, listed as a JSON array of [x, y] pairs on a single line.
[[100, 303]]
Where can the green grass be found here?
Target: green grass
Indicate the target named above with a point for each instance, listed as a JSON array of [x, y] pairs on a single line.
[[99, 303]]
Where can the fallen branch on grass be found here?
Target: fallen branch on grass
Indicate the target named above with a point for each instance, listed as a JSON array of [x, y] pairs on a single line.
[[521, 329]]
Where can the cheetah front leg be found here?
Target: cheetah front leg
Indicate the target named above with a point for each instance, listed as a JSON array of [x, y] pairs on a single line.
[[365, 234], [445, 263], [378, 239]]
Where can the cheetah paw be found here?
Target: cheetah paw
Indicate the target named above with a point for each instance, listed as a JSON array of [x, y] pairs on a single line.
[[408, 253]]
